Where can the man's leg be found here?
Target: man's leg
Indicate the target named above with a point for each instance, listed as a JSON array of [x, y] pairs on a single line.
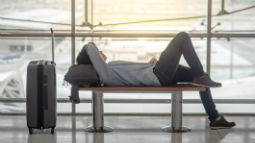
[[166, 67], [184, 74], [208, 103]]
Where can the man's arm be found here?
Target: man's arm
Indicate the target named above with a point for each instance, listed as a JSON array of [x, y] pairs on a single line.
[[98, 62]]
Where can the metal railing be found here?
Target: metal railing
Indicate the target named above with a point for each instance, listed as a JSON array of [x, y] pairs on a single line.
[[137, 101], [126, 35]]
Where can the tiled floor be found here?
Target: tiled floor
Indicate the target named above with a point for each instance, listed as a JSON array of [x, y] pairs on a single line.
[[128, 129]]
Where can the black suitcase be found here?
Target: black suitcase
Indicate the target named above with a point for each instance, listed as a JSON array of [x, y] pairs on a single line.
[[41, 94]]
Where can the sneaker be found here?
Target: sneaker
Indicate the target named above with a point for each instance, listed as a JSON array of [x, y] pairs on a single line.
[[222, 123], [205, 81]]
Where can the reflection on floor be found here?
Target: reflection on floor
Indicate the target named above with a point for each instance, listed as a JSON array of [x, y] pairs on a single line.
[[128, 129]]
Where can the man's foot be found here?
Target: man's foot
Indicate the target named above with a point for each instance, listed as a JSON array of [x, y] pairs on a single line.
[[221, 123], [74, 100], [205, 81]]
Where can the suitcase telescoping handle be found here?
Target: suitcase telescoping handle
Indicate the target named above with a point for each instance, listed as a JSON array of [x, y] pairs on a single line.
[[53, 43]]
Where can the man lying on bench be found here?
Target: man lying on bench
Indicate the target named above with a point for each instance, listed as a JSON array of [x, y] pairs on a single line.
[[164, 72]]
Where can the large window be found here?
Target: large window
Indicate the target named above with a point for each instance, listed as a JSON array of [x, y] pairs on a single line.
[[232, 59]]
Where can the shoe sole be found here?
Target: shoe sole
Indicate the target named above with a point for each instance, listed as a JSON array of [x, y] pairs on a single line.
[[217, 128], [202, 85]]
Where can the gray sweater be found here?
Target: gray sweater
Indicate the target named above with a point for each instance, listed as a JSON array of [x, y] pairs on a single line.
[[122, 73]]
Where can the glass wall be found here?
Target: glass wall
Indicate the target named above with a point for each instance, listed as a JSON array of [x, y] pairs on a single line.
[[15, 55], [232, 58], [30, 15], [146, 15]]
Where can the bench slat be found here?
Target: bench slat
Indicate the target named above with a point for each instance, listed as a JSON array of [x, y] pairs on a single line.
[[146, 88]]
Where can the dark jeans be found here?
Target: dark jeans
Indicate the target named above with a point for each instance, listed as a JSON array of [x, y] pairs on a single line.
[[170, 72]]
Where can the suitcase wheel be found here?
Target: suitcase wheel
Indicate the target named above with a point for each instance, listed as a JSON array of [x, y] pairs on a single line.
[[30, 130], [52, 130]]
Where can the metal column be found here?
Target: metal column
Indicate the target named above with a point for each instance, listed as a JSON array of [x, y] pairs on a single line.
[[209, 28], [86, 14], [92, 13], [222, 5], [223, 11], [98, 114], [176, 114], [73, 42], [73, 129]]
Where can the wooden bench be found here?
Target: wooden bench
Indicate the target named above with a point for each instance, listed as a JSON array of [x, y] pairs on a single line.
[[176, 92]]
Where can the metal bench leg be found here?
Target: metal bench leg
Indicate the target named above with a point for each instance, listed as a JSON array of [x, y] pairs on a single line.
[[98, 114], [176, 114]]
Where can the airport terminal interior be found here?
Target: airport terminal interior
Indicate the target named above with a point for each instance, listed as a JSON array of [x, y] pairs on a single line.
[[135, 31]]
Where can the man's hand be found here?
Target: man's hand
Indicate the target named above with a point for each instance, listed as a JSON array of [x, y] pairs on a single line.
[[153, 61], [103, 55]]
